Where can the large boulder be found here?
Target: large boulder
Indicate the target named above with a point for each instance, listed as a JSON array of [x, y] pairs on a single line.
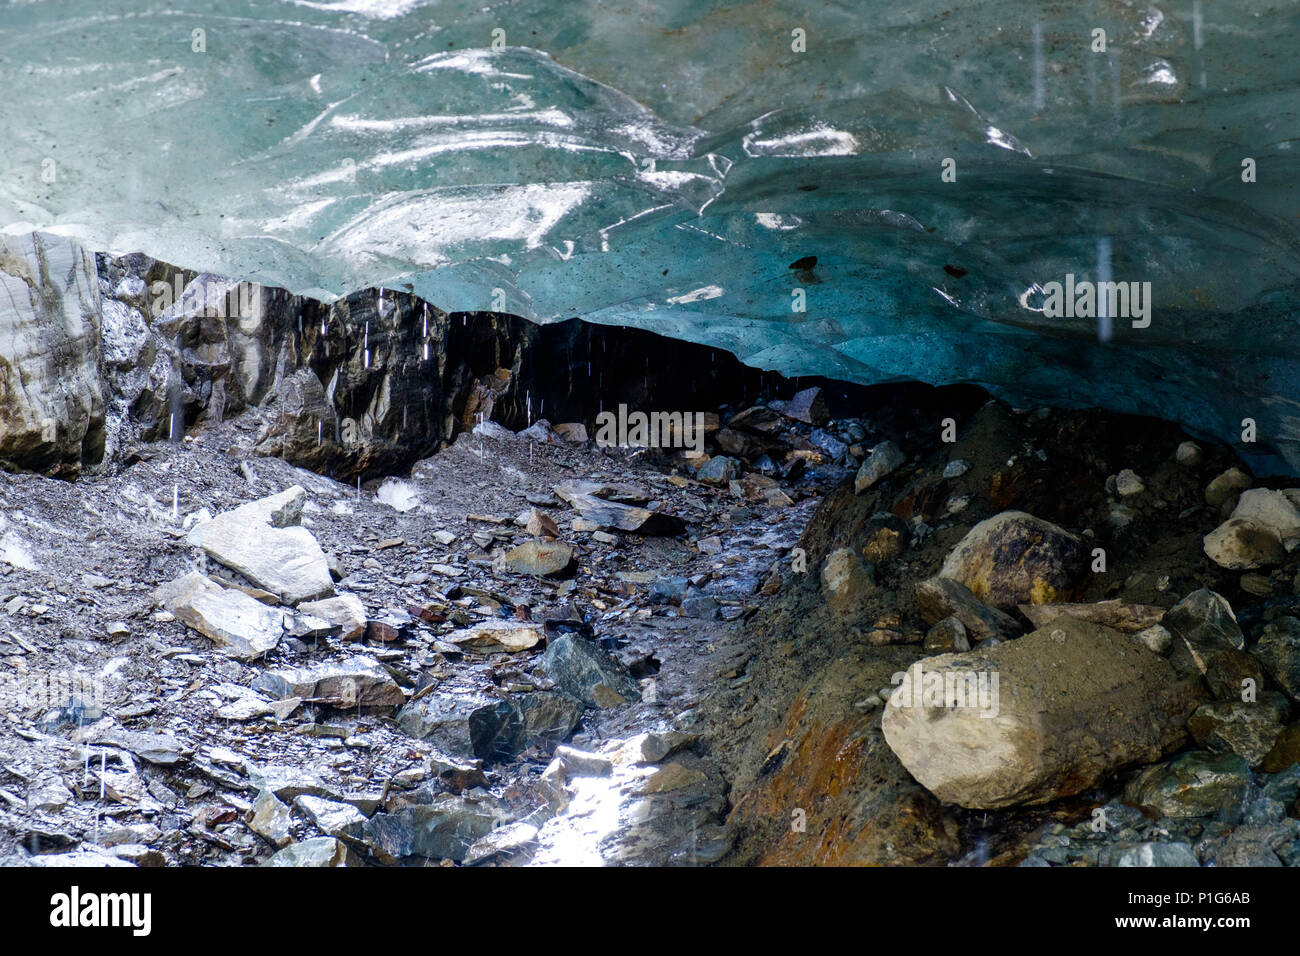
[[1248, 728], [1014, 558], [1042, 717], [466, 724], [241, 626], [443, 718], [503, 730], [583, 670], [263, 542], [51, 393], [442, 830], [1242, 544], [1263, 527], [1195, 784]]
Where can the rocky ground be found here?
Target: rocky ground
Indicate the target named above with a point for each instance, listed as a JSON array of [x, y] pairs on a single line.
[[1136, 594], [471, 633], [537, 650]]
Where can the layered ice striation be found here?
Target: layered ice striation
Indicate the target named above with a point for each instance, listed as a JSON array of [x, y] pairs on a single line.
[[864, 190]]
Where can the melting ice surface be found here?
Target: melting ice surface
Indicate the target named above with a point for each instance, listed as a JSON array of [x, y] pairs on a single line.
[[663, 164]]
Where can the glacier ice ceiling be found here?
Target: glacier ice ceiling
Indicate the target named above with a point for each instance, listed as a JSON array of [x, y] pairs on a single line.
[[863, 190]]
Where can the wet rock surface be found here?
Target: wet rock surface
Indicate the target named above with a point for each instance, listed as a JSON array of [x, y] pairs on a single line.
[[297, 672]]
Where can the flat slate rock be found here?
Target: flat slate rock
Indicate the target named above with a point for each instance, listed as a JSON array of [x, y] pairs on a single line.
[[241, 626], [584, 497], [352, 682], [261, 542]]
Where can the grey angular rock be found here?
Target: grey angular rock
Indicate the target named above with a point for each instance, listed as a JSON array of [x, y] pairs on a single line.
[[241, 626], [669, 589], [83, 858], [353, 682], [1247, 728], [808, 405], [260, 541], [1278, 649], [316, 852], [270, 818], [1208, 641], [585, 498], [442, 830], [442, 717], [939, 598], [719, 471], [496, 636], [502, 730], [583, 670], [302, 423], [156, 748], [510, 844], [344, 611], [289, 782], [884, 458], [332, 818], [543, 559], [1158, 854], [702, 606], [1195, 784]]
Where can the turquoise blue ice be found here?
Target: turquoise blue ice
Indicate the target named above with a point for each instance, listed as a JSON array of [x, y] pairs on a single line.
[[662, 164]]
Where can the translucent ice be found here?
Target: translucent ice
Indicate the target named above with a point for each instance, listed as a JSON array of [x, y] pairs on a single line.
[[929, 167]]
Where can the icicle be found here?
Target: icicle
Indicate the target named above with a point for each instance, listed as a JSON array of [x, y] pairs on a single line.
[[1197, 24], [1039, 95], [1104, 318], [176, 502]]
